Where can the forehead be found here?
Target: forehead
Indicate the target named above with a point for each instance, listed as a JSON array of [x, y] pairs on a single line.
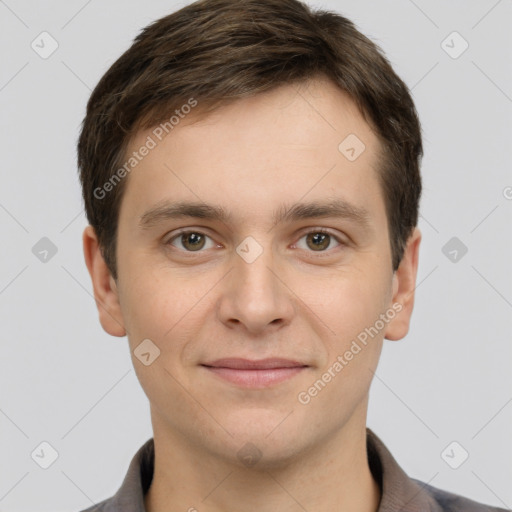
[[255, 154]]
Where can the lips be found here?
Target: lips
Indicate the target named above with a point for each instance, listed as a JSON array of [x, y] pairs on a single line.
[[250, 373], [250, 364]]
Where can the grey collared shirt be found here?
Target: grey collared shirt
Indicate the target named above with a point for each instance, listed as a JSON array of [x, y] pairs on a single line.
[[398, 491]]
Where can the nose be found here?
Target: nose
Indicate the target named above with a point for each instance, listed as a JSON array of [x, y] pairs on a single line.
[[255, 296]]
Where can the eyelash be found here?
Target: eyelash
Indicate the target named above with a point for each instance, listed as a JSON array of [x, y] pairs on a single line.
[[312, 231]]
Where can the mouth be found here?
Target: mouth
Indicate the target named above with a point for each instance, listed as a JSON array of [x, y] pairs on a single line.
[[255, 373]]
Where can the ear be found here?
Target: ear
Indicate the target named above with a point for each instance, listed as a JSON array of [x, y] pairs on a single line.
[[404, 284], [105, 288]]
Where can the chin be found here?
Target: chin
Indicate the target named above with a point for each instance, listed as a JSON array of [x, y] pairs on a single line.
[[267, 444]]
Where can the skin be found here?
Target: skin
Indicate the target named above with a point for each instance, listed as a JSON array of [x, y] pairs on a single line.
[[252, 157]]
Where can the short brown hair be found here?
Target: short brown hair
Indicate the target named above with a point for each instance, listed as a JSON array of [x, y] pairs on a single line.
[[216, 51]]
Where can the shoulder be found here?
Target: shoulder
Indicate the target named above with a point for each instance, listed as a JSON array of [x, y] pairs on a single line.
[[450, 502], [103, 506]]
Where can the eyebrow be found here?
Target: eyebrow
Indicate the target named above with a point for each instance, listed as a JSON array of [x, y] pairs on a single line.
[[338, 208]]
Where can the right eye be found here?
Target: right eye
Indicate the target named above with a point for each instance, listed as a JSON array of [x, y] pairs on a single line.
[[191, 241]]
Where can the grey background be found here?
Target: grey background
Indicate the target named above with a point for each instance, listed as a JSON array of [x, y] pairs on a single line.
[[63, 380]]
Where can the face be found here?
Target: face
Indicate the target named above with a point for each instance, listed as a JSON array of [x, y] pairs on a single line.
[[268, 320]]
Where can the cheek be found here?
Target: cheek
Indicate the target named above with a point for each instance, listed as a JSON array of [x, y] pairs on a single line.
[[169, 310], [352, 308], [348, 302], [169, 322], [154, 301]]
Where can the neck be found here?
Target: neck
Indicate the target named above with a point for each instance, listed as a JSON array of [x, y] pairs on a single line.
[[333, 476]]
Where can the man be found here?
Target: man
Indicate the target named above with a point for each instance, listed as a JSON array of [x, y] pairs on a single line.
[[250, 172]]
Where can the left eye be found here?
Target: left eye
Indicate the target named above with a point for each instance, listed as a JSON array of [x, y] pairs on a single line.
[[319, 240]]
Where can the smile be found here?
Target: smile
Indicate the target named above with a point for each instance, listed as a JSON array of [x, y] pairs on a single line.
[[255, 374]]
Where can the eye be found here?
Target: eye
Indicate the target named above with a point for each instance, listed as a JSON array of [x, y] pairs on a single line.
[[191, 241], [319, 240]]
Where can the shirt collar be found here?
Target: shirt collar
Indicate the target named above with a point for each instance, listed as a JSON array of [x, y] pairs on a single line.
[[398, 491]]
